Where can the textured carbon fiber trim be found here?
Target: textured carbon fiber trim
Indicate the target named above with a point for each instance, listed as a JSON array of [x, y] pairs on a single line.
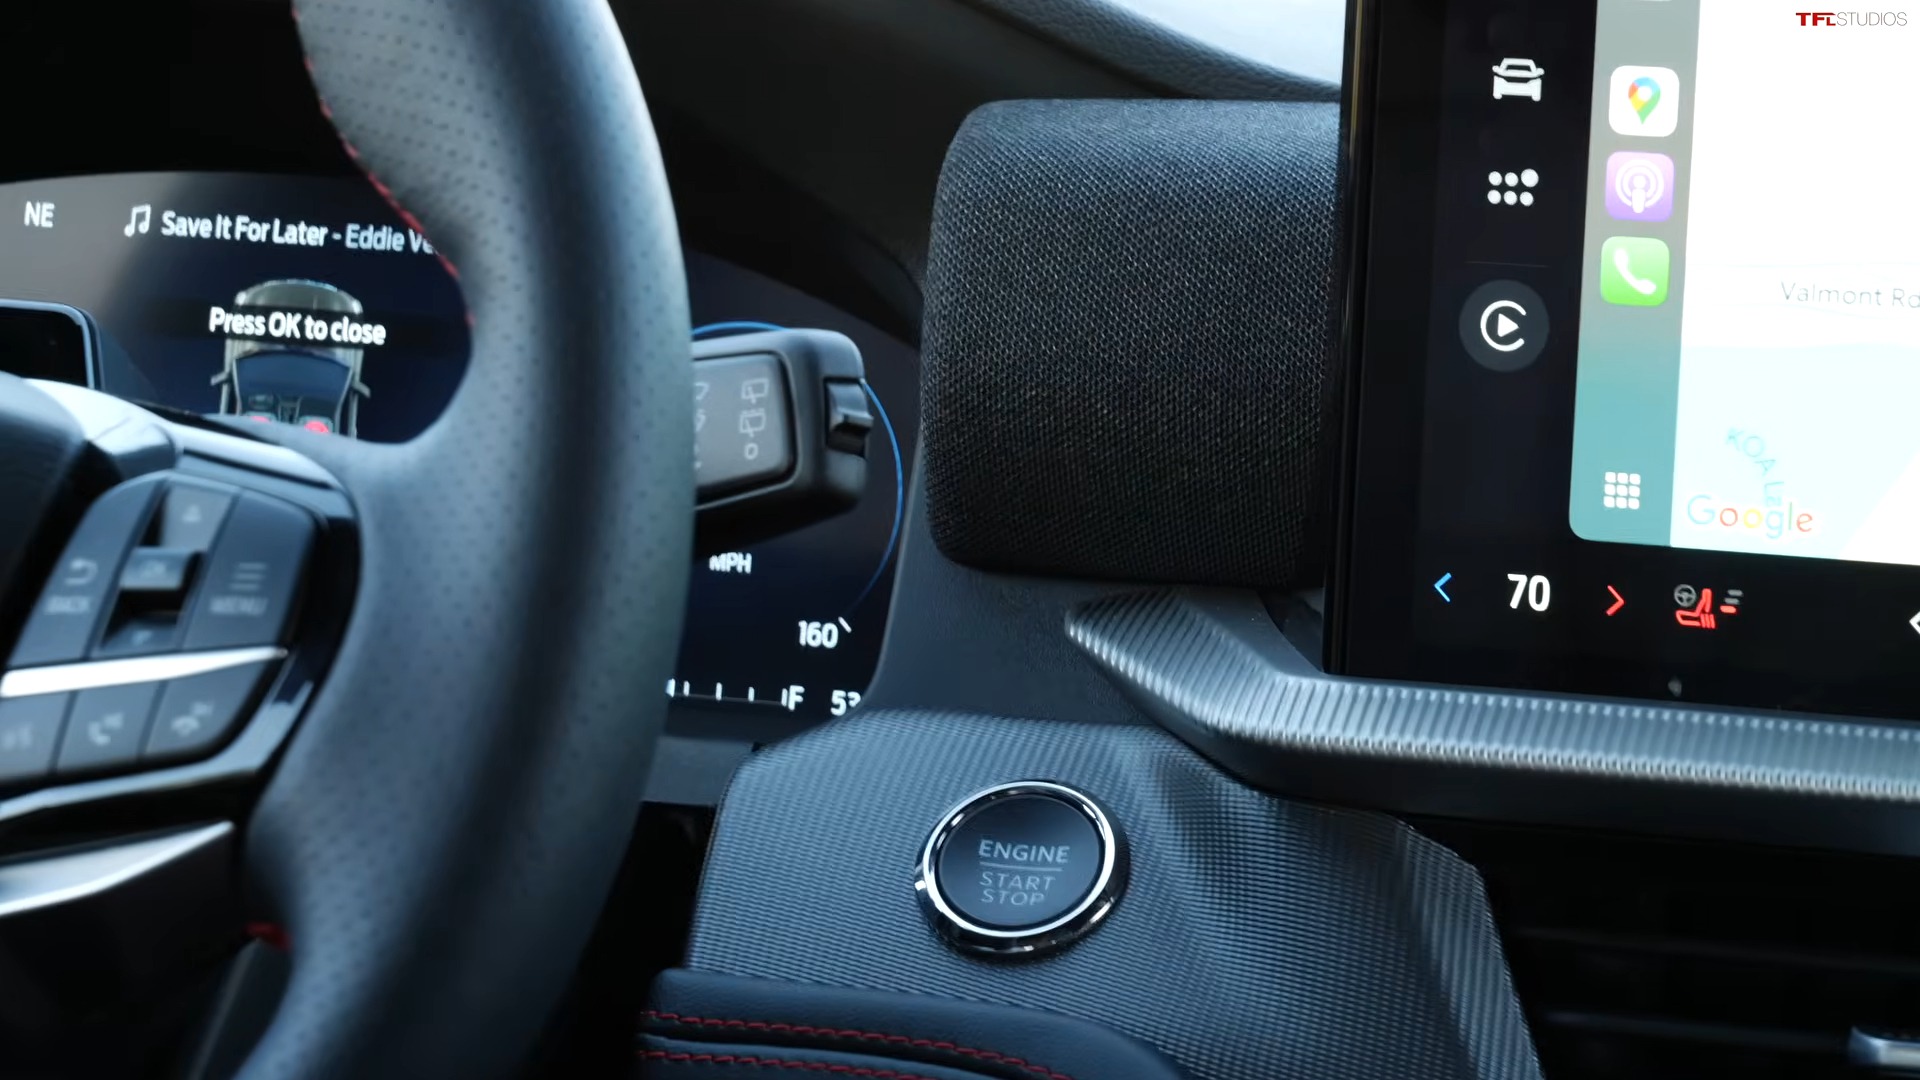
[[1258, 939], [1213, 667]]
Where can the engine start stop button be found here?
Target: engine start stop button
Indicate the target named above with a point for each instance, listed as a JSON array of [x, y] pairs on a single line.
[[1021, 868]]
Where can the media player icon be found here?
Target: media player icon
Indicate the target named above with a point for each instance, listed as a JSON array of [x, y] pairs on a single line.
[[1503, 325], [1497, 327]]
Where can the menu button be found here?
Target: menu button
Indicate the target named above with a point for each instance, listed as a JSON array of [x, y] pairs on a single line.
[[253, 577]]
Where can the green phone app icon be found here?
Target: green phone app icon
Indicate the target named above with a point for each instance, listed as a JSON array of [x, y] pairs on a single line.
[[1633, 270]]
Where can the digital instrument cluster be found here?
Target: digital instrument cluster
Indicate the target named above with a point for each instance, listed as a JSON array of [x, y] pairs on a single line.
[[308, 301]]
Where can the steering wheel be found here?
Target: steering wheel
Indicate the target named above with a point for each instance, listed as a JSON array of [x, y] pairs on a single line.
[[447, 820]]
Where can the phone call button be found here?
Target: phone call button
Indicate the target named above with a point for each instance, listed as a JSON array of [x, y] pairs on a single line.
[[105, 727], [1503, 325], [1634, 271]]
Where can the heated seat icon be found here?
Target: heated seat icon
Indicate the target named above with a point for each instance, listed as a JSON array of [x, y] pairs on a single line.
[[1697, 609], [1700, 615]]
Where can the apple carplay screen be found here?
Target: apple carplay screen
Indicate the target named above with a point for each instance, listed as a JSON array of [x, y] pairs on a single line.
[[1639, 353], [282, 299]]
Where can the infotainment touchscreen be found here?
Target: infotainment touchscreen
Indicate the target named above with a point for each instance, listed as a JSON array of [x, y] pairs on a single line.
[[1749, 349], [1633, 371]]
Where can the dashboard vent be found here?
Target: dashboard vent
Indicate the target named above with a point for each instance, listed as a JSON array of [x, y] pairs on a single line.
[[1655, 959]]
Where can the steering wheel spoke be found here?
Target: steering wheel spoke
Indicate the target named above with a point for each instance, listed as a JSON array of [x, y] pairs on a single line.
[[184, 622]]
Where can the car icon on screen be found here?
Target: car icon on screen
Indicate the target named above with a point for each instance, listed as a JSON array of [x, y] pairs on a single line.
[[1517, 77], [312, 385]]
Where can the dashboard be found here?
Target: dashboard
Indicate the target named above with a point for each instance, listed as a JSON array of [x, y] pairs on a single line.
[[311, 301], [1624, 422]]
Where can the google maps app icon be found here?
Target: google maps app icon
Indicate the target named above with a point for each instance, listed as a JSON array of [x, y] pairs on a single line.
[[1644, 94], [1643, 101]]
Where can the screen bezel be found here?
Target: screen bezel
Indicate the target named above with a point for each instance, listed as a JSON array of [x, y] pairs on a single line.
[[47, 341], [1392, 114], [1406, 121]]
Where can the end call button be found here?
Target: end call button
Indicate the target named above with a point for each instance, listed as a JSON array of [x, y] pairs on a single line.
[[1503, 325]]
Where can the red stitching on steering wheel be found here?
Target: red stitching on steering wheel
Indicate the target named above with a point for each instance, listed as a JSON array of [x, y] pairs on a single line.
[[672, 1058], [869, 1036]]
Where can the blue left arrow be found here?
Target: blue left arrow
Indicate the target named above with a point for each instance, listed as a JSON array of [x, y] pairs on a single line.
[[1441, 587]]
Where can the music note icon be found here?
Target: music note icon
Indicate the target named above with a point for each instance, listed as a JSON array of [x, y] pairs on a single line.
[[141, 217]]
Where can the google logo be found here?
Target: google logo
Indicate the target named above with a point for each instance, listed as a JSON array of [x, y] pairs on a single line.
[[1774, 523]]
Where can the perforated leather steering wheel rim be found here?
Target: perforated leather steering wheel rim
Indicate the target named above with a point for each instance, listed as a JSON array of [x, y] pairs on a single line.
[[445, 823]]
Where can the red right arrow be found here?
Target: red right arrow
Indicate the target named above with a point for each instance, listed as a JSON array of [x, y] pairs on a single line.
[[1618, 600]]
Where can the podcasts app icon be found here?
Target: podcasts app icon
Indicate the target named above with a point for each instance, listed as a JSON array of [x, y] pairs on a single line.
[[1643, 100], [1639, 186]]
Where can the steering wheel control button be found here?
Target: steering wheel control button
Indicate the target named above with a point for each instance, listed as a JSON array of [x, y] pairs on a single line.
[[742, 433], [73, 603], [1504, 325], [197, 713], [191, 516], [138, 637], [157, 570], [146, 615], [106, 726], [252, 576], [29, 733], [1021, 869]]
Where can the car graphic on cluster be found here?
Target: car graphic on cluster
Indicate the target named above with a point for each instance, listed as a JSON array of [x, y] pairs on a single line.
[[315, 386]]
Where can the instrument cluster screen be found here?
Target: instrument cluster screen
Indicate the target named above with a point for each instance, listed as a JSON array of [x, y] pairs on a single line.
[[282, 299], [310, 301]]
